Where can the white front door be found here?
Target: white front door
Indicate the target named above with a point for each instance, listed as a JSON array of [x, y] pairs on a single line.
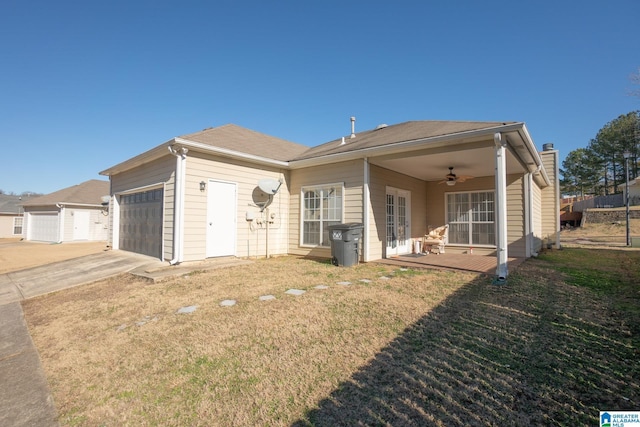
[[398, 222], [221, 219], [80, 225]]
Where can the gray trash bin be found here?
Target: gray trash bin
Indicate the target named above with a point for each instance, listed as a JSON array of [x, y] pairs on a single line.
[[345, 240]]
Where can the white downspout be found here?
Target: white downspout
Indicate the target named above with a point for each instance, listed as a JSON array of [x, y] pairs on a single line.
[[178, 206], [60, 222], [501, 208], [528, 215], [365, 211]]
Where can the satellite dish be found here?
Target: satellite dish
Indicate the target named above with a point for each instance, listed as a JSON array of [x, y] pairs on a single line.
[[269, 186]]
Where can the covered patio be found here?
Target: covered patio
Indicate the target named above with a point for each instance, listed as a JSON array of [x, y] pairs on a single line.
[[483, 264]]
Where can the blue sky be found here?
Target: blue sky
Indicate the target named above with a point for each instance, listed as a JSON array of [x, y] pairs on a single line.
[[85, 85]]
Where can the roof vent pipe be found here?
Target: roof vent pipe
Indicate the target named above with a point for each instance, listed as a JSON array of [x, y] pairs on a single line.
[[342, 143], [547, 147], [353, 127]]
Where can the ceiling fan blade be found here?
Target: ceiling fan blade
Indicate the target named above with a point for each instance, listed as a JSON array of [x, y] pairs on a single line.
[[463, 178]]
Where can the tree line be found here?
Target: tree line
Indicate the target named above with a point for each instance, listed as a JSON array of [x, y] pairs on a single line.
[[599, 169]]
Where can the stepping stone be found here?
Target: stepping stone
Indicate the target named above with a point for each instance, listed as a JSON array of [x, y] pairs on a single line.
[[344, 283], [404, 269], [228, 303], [365, 280], [384, 278], [295, 292], [266, 297], [321, 287], [187, 309]]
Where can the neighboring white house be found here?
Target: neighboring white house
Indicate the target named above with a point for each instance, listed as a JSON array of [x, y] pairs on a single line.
[[76, 213], [197, 196]]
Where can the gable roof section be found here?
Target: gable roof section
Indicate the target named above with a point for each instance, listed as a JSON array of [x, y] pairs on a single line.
[[228, 140], [247, 141], [88, 193], [394, 134]]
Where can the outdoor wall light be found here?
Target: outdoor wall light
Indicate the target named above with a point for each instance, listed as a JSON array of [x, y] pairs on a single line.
[[203, 185]]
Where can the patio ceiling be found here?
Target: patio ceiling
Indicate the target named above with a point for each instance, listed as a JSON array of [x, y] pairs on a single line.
[[434, 166]]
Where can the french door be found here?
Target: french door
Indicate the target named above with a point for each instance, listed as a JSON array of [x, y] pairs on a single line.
[[398, 222]]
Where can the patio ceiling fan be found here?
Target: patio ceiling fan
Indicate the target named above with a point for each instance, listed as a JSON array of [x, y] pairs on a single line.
[[451, 178]]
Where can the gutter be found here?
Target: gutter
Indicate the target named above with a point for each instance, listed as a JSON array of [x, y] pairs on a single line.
[[67, 204]]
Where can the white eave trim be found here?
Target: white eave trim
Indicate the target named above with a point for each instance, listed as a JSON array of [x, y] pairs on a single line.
[[161, 151], [198, 146], [528, 142], [66, 204]]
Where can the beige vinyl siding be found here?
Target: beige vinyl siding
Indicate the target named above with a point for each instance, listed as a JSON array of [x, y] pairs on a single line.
[[380, 179], [515, 209], [6, 225], [516, 236], [350, 174], [250, 237], [160, 171], [536, 211], [550, 197]]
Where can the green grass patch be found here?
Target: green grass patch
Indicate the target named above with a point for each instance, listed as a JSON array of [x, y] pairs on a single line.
[[611, 274]]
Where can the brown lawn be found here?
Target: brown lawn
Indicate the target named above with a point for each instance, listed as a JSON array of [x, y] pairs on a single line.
[[417, 348]]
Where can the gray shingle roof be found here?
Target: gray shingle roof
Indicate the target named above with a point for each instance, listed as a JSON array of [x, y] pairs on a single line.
[[88, 193], [407, 131], [11, 204], [236, 138]]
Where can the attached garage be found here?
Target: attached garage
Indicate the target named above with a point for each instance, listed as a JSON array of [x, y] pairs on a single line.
[[140, 228], [44, 226]]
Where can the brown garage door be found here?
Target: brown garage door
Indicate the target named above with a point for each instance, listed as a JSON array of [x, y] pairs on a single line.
[[141, 222]]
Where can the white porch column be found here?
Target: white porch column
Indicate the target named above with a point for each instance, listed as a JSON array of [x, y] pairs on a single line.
[[501, 206], [365, 212]]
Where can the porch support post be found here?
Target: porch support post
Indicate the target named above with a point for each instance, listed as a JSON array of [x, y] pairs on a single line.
[[365, 211], [501, 207]]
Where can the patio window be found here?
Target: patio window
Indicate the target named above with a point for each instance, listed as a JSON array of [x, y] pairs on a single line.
[[471, 218], [17, 225], [321, 207]]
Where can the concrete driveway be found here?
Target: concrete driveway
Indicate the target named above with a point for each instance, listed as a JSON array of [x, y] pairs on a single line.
[[19, 285], [25, 399]]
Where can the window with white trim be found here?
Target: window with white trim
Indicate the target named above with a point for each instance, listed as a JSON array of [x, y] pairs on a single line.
[[17, 225], [321, 207], [471, 218]]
